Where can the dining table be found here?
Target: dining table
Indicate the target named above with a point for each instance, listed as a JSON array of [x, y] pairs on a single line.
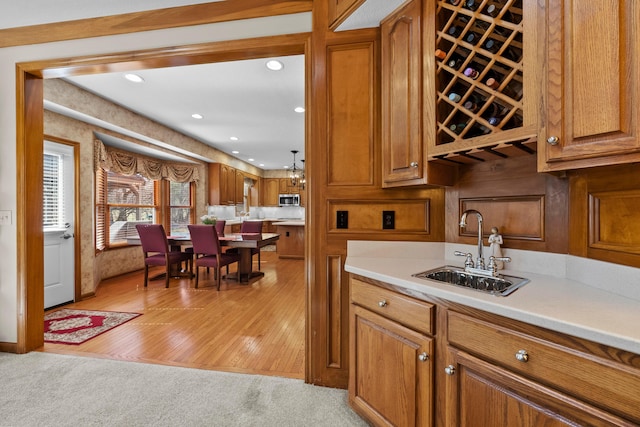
[[243, 241]]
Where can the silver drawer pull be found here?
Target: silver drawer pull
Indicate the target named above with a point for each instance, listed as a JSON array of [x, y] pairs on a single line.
[[522, 356], [450, 370], [423, 357], [382, 303]]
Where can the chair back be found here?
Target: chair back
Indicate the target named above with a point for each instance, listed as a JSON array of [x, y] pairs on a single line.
[[204, 239], [251, 227], [152, 238], [220, 226]]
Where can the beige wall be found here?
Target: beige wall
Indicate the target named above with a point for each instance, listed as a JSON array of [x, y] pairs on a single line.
[[95, 267]]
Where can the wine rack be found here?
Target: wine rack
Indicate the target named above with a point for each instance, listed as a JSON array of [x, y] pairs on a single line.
[[480, 86]]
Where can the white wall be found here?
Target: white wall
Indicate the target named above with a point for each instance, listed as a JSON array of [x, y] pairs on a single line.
[[287, 24]]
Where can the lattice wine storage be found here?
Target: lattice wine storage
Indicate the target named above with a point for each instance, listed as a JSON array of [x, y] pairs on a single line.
[[480, 78]]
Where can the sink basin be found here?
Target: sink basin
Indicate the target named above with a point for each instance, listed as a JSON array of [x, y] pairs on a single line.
[[502, 285]]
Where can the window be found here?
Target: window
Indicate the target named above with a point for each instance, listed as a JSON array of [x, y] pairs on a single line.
[[180, 208], [52, 192], [123, 201]]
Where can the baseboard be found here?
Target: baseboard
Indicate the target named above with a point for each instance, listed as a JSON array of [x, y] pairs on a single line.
[[8, 347]]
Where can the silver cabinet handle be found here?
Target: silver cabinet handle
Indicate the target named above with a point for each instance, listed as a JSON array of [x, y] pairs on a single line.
[[423, 357], [414, 164], [553, 140], [450, 370], [382, 303], [522, 356]]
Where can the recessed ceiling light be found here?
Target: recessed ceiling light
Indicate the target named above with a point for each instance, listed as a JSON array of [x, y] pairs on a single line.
[[274, 65], [234, 138], [133, 78], [261, 164], [299, 109], [252, 160], [235, 152], [197, 116], [286, 166]]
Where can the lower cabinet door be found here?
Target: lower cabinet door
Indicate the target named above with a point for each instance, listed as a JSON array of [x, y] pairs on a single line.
[[390, 374], [482, 394]]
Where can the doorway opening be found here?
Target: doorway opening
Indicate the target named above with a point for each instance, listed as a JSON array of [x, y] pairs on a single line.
[[30, 142]]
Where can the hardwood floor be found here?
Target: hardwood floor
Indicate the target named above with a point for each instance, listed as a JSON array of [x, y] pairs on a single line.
[[256, 328]]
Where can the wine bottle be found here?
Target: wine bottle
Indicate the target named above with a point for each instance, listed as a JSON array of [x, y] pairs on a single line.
[[472, 37], [493, 46], [471, 73], [509, 89], [455, 61], [454, 97], [472, 4], [472, 103], [454, 2], [457, 128], [493, 9], [514, 121], [441, 54], [454, 31]]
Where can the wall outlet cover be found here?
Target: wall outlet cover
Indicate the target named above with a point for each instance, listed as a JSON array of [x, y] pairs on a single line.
[[388, 220], [5, 217], [342, 219]]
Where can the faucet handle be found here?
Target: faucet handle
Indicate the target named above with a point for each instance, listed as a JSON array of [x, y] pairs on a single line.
[[468, 262], [493, 265]]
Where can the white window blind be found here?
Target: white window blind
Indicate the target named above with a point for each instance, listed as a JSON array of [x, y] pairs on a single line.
[[53, 192]]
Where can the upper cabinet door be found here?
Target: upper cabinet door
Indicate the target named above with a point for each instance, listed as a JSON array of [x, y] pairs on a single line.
[[592, 86], [401, 96]]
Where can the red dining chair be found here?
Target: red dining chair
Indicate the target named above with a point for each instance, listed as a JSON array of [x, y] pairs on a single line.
[[206, 247], [249, 227], [156, 250], [220, 224]]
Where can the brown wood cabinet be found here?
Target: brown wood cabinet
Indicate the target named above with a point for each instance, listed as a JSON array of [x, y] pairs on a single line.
[[525, 380], [490, 370], [592, 85], [391, 366], [222, 184], [404, 155], [239, 186], [270, 191], [291, 241], [403, 159]]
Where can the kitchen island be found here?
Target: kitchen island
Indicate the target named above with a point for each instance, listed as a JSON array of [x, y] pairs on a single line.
[[291, 243]]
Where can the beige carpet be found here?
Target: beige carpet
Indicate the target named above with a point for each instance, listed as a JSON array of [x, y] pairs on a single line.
[[44, 389]]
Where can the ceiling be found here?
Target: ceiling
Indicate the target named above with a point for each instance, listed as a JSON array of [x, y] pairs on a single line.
[[237, 99], [241, 99]]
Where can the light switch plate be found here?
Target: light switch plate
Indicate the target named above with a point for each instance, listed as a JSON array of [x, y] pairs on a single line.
[[5, 217]]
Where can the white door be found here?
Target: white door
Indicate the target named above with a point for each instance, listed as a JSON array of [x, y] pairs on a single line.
[[58, 224]]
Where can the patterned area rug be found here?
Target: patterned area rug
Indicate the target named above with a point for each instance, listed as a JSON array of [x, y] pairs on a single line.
[[69, 326]]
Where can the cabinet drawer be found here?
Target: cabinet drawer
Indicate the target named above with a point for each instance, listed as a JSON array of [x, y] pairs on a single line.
[[603, 383], [408, 311]]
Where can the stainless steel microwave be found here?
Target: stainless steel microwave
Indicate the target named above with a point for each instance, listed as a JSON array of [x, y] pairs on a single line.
[[289, 200]]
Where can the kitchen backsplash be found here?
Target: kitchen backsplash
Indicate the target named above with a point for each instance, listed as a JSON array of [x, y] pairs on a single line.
[[257, 212]]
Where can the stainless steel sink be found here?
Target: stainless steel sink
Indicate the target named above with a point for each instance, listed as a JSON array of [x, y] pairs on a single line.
[[501, 285]]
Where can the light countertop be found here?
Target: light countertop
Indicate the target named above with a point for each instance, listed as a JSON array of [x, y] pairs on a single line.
[[296, 222], [588, 299]]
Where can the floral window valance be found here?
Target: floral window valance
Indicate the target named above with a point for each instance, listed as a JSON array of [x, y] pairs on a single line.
[[126, 163]]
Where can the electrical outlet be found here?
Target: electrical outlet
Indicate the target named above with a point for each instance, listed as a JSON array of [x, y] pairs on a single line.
[[388, 220], [5, 217], [342, 219]]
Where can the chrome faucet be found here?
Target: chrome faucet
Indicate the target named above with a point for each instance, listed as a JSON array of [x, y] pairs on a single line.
[[479, 268], [463, 224]]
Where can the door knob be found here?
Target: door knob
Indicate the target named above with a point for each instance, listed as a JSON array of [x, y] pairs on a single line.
[[66, 236]]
